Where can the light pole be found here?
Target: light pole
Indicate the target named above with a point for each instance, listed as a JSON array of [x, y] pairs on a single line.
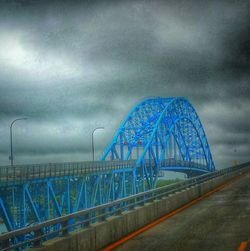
[[93, 147], [11, 137]]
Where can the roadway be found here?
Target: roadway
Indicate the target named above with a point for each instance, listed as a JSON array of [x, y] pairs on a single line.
[[220, 222], [23, 173]]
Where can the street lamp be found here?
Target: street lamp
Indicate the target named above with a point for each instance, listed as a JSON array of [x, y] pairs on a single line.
[[93, 148], [11, 147]]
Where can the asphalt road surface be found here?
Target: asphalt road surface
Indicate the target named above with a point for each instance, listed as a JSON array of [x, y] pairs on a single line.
[[218, 223]]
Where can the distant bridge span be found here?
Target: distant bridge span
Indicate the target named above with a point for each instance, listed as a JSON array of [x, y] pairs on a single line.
[[158, 134], [158, 129]]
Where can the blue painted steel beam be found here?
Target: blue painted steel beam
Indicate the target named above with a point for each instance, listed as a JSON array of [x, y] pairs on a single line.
[[159, 134]]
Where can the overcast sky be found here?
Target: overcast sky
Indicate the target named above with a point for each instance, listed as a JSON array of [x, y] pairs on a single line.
[[71, 66]]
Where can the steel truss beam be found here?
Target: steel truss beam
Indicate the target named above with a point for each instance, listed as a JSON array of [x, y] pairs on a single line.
[[158, 129], [158, 134]]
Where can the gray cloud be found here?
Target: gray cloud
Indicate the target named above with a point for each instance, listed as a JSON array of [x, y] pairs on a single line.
[[71, 66]]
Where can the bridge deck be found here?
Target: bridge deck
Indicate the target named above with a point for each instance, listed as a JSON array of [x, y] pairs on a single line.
[[220, 222], [22, 173]]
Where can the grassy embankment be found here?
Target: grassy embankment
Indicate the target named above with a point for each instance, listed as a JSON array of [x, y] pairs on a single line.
[[162, 183]]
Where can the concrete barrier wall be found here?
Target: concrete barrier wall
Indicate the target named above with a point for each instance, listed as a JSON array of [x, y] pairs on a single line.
[[101, 234]]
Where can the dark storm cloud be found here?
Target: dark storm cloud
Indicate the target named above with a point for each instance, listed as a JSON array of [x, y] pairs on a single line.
[[51, 103], [70, 66]]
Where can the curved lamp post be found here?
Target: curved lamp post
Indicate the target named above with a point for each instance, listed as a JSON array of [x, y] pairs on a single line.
[[93, 147], [11, 139]]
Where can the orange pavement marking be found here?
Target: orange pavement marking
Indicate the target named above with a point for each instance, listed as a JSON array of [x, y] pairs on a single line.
[[243, 246], [176, 211]]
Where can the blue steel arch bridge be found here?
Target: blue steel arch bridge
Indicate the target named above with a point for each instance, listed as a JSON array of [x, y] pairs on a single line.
[[159, 134]]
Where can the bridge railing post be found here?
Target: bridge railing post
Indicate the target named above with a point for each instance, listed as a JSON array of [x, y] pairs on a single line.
[[141, 198], [87, 219], [151, 197], [65, 229], [14, 174], [64, 170], [54, 169], [7, 174], [27, 172], [131, 204], [33, 171], [118, 209], [50, 170], [5, 244], [103, 214], [77, 168], [59, 170], [39, 171], [38, 240]]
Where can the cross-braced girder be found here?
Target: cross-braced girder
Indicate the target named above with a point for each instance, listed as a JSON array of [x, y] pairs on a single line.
[[39, 200]]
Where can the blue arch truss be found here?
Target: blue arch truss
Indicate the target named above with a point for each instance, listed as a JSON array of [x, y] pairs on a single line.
[[165, 132], [158, 134]]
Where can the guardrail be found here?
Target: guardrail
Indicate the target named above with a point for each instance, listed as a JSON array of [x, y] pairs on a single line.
[[36, 234], [22, 173]]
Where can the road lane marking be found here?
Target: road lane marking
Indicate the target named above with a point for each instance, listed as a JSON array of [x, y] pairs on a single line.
[[165, 217], [243, 246]]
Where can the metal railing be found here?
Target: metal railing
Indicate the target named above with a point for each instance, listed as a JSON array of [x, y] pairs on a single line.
[[21, 173], [182, 163], [36, 234]]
